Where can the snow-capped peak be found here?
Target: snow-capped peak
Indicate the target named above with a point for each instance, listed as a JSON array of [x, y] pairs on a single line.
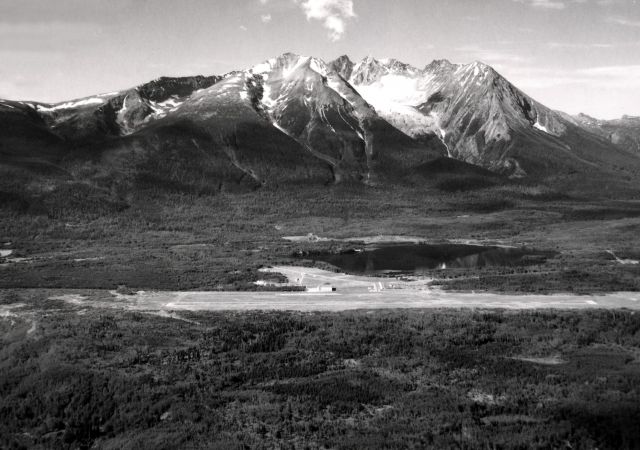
[[288, 64]]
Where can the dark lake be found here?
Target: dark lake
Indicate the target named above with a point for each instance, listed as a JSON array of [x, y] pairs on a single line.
[[417, 258]]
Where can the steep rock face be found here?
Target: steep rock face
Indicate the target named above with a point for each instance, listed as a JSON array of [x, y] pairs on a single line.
[[343, 66]]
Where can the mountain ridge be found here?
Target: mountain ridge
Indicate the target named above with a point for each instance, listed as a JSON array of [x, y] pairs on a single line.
[[372, 121]]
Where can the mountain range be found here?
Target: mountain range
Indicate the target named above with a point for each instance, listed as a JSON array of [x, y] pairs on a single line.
[[296, 119]]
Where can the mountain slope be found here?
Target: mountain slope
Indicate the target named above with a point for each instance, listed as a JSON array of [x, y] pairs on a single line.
[[25, 138]]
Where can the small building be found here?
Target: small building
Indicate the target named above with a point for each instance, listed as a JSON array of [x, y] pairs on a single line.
[[324, 288]]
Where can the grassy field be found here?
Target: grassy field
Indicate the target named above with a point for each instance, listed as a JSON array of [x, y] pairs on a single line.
[[181, 242], [78, 377]]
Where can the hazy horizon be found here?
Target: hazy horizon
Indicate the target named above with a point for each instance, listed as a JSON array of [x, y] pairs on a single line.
[[572, 55]]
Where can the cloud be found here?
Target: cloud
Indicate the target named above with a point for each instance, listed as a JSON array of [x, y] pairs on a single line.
[[544, 4], [623, 21], [265, 18], [562, 4], [578, 46], [334, 14]]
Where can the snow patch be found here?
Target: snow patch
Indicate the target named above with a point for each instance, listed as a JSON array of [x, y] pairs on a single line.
[[156, 108], [124, 107], [74, 299], [267, 101], [394, 88], [396, 97], [540, 127], [76, 104], [625, 262], [318, 66], [337, 87], [288, 71], [263, 68], [554, 360], [172, 102], [406, 118], [275, 124]]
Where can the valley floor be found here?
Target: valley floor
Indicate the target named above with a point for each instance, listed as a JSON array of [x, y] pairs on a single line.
[[83, 365]]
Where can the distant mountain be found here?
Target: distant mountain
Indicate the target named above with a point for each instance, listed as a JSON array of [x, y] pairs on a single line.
[[480, 117], [624, 132], [298, 120]]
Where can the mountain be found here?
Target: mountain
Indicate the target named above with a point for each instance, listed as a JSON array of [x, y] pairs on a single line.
[[298, 120], [310, 102], [624, 132], [289, 120], [481, 118]]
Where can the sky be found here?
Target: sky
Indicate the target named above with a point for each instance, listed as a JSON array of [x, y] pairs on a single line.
[[572, 55]]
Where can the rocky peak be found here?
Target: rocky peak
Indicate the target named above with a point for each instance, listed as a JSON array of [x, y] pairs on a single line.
[[398, 67], [343, 66], [479, 71], [289, 63], [367, 71], [439, 65], [370, 70]]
